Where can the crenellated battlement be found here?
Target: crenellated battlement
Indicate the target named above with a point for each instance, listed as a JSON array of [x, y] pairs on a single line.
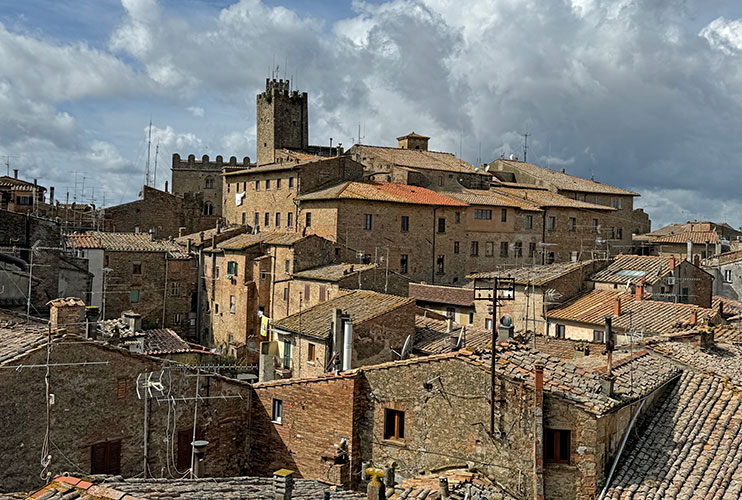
[[191, 163], [279, 87]]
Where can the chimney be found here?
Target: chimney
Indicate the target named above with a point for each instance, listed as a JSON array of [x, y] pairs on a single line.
[[721, 308], [91, 322], [375, 489], [639, 293], [213, 241], [347, 344], [538, 432], [188, 247], [689, 250], [449, 324], [166, 186], [35, 183], [68, 314], [672, 262], [283, 484], [617, 307], [693, 318], [218, 228], [201, 234], [697, 260], [199, 450], [443, 486], [15, 173], [133, 321], [51, 195], [707, 338], [181, 231], [151, 234]]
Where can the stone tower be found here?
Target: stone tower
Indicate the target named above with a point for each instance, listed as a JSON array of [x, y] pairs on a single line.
[[282, 120]]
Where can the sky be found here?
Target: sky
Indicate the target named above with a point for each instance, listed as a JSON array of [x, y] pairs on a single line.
[[641, 94]]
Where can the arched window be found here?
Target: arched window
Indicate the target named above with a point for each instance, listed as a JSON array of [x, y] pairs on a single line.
[[208, 208], [209, 184]]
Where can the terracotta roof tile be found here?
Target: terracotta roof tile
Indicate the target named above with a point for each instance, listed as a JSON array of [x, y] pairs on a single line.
[[362, 305], [125, 242], [564, 181], [382, 191], [697, 237], [490, 199], [535, 275], [432, 337], [546, 199], [243, 241], [633, 268], [442, 294], [414, 158], [332, 272]]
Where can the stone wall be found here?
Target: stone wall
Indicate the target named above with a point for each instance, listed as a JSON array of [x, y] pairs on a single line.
[[96, 403], [282, 120]]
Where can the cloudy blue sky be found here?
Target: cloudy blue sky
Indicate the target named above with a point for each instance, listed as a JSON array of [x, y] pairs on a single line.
[[643, 94]]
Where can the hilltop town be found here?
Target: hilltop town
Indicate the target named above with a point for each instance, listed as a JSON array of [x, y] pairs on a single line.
[[381, 321]]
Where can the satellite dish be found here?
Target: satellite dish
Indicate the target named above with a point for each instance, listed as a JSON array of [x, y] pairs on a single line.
[[461, 337], [476, 169], [406, 348], [506, 321], [487, 168], [513, 157]]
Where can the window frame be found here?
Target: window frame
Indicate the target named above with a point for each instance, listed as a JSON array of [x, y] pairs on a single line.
[[553, 446], [404, 223], [277, 411], [394, 424], [404, 263], [368, 222]]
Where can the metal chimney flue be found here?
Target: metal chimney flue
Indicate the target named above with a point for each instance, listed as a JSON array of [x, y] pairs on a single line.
[[199, 450]]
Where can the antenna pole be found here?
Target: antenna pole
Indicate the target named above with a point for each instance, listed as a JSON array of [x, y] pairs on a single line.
[[493, 382], [149, 150], [525, 147], [157, 152]]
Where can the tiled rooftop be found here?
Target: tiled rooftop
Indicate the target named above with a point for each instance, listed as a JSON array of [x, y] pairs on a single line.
[[432, 336], [125, 242], [723, 360], [230, 488], [489, 198], [730, 334], [243, 241], [686, 447], [429, 160], [17, 338], [362, 305], [535, 275], [332, 272], [157, 341], [633, 268], [647, 316], [223, 232], [462, 484], [546, 199], [442, 294], [564, 181], [697, 237], [382, 191], [6, 181]]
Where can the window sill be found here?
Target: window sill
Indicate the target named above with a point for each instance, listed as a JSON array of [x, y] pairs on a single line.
[[312, 363], [395, 442], [277, 422]]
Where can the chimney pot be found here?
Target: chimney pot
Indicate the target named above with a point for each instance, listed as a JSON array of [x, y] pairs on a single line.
[[617, 307], [693, 318], [640, 292], [199, 450], [181, 231], [15, 173], [672, 262], [283, 484], [166, 186], [443, 484], [607, 383]]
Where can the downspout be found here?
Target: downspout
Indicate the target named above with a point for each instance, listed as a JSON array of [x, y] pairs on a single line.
[[538, 433], [432, 280]]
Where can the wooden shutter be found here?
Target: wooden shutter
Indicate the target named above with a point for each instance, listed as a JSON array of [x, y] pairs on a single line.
[[98, 458]]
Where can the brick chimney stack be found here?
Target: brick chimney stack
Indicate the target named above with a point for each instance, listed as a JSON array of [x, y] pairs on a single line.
[[617, 307], [693, 318], [68, 314], [283, 484], [672, 262], [640, 292]]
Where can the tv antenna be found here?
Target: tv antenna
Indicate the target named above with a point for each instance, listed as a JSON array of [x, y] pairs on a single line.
[[525, 146]]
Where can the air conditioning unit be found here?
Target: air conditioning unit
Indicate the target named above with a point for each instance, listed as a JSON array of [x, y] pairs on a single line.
[[670, 280]]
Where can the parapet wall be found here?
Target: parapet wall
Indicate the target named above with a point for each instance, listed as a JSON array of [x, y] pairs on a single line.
[[206, 164]]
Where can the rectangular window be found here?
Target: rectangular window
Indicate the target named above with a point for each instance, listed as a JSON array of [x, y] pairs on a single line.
[[458, 218], [368, 222], [403, 263], [257, 185], [267, 219], [572, 224], [594, 227], [136, 268], [560, 331], [552, 223], [244, 218], [482, 214], [24, 200], [121, 388], [518, 249], [503, 215], [307, 293], [531, 249], [619, 233], [503, 249], [728, 275], [278, 219], [393, 424], [105, 457], [475, 248], [287, 354], [174, 288], [216, 271], [134, 297], [278, 183], [277, 411], [107, 261], [598, 336], [550, 257], [311, 352], [308, 222], [322, 293], [178, 318], [405, 223], [471, 318], [291, 182], [455, 247], [440, 264], [557, 446], [232, 268], [366, 258], [290, 220], [529, 221], [441, 224], [267, 184], [285, 293], [232, 304], [185, 438], [287, 265], [488, 323], [684, 295], [257, 219], [489, 249], [263, 275]]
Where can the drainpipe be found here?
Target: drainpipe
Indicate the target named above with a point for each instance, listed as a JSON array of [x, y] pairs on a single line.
[[538, 433], [435, 220]]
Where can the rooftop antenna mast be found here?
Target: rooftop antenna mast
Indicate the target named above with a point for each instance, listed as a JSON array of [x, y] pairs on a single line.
[[7, 163], [149, 151], [525, 146], [157, 152]]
